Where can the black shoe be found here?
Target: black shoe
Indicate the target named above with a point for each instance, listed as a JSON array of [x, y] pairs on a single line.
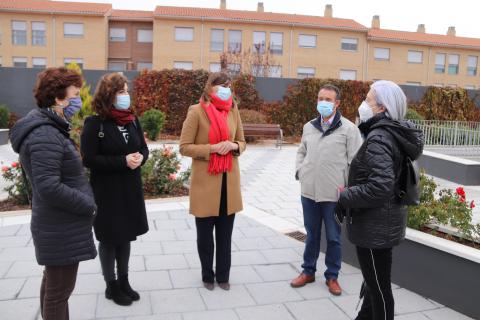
[[224, 285], [125, 287], [209, 285], [114, 293]]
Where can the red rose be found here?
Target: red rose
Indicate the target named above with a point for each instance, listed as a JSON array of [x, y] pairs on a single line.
[[472, 204], [14, 164], [5, 168], [461, 199], [461, 192], [172, 176]]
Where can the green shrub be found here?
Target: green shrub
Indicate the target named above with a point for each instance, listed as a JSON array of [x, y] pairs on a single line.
[[300, 100], [252, 116], [4, 116], [412, 114], [152, 122], [450, 208], [18, 189], [160, 173]]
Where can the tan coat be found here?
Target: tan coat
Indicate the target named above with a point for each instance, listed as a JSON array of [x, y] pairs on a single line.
[[205, 189]]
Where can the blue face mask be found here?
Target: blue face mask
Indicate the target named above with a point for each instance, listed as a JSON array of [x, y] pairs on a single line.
[[325, 108], [74, 106], [224, 93], [123, 102]]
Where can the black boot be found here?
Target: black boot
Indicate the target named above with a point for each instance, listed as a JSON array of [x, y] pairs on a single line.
[[114, 293], [125, 287]]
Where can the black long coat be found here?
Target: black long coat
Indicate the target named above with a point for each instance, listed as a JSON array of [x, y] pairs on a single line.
[[378, 220], [62, 204], [118, 190]]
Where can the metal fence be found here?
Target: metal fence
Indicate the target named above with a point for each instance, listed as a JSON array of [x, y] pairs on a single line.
[[458, 138]]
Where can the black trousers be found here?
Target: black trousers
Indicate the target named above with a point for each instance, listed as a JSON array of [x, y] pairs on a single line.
[[57, 286], [109, 253], [376, 266], [223, 225]]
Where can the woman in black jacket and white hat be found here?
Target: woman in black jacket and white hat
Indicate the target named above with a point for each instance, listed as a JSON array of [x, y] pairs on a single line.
[[63, 206], [377, 220]]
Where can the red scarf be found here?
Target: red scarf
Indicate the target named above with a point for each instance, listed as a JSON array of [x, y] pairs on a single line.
[[122, 117], [217, 112]]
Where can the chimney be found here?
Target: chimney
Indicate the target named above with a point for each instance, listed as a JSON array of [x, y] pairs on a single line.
[[421, 28], [451, 31], [328, 11], [223, 4], [376, 22], [260, 7]]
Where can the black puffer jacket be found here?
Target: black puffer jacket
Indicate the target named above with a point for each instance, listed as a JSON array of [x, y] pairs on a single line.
[[377, 219], [62, 202]]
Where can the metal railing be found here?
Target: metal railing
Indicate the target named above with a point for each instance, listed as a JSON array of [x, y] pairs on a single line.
[[459, 138]]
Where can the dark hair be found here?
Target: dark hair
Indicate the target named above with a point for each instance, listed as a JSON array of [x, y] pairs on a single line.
[[331, 87], [52, 83], [214, 79], [106, 93]]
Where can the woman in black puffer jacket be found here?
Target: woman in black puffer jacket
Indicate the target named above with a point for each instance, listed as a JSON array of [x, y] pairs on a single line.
[[63, 206], [377, 221]]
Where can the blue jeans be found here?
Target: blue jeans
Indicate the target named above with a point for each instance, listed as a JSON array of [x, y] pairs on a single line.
[[313, 215]]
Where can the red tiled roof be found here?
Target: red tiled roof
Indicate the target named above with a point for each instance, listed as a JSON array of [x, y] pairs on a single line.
[[258, 17], [437, 40], [131, 15], [47, 6]]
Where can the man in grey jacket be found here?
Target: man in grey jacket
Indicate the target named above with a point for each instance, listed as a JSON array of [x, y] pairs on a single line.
[[328, 146]]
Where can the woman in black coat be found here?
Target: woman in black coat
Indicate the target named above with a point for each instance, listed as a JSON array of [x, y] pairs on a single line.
[[377, 220], [114, 149], [63, 206]]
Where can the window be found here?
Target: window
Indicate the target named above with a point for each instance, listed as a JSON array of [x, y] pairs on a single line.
[[258, 70], [216, 40], [118, 35], [117, 65], [38, 34], [276, 43], [438, 85], [413, 83], [452, 85], [453, 60], [415, 56], [234, 68], [472, 65], [470, 87], [259, 42], [215, 67], [19, 33], [382, 54], [348, 74], [186, 65], [234, 41], [73, 30], [305, 72], [20, 62], [145, 35], [440, 62], [275, 72], [307, 41], [349, 44], [39, 62], [183, 34], [144, 65], [78, 61]]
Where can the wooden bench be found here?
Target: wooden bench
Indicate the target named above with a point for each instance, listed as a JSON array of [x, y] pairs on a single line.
[[264, 130]]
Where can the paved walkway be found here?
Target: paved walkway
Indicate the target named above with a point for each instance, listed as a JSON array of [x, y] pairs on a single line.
[[165, 267]]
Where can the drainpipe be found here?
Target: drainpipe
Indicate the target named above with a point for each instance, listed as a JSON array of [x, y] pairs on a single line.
[[54, 29], [428, 65], [291, 52], [201, 45]]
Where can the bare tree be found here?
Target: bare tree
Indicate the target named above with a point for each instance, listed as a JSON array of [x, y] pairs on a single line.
[[259, 62]]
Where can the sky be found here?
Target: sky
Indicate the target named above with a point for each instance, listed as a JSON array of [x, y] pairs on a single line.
[[404, 15]]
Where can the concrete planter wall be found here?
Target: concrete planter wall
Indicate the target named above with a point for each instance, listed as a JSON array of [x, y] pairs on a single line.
[[462, 171], [442, 270], [4, 136]]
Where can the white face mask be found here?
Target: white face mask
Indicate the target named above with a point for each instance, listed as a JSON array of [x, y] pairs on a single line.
[[365, 111]]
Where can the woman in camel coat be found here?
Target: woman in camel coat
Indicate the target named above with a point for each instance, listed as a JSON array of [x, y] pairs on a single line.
[[212, 135]]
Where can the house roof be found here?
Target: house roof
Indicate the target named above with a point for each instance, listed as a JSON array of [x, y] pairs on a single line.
[[436, 40], [257, 17], [131, 15], [47, 6]]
